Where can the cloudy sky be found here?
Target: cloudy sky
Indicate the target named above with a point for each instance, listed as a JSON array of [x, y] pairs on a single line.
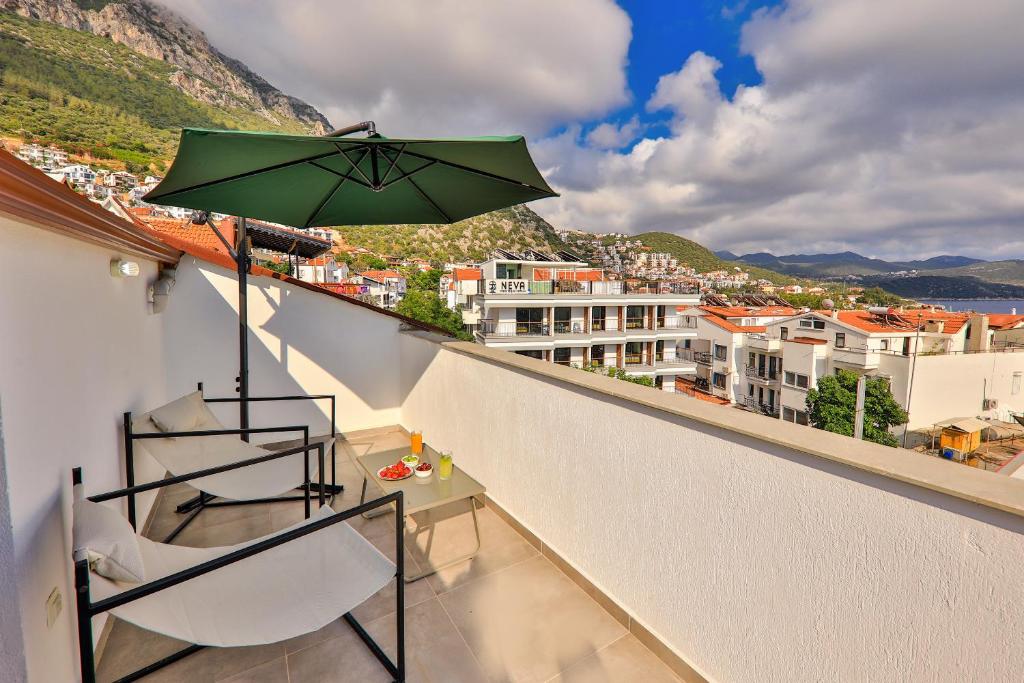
[[895, 129]]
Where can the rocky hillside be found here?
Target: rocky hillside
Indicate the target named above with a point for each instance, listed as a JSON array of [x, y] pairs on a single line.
[[200, 70], [515, 228]]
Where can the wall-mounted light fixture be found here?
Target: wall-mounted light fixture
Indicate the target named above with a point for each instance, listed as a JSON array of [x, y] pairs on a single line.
[[122, 268], [160, 291]]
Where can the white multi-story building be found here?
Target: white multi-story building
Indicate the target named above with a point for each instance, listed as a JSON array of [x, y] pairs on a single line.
[[556, 308], [727, 365], [939, 365], [323, 269], [79, 174], [385, 287]]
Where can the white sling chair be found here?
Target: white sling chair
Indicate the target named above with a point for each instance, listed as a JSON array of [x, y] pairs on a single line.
[[185, 436], [277, 587]]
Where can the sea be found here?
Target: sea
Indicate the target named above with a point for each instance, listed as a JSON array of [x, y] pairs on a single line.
[[980, 305]]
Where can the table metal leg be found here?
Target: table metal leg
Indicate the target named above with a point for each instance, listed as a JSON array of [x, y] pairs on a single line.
[[462, 558]]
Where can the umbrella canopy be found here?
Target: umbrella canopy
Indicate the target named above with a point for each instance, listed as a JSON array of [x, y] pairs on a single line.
[[306, 181]]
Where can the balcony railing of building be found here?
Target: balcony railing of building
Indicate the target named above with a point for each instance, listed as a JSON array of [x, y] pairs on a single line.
[[601, 287], [751, 403], [764, 374], [494, 328], [635, 323], [677, 322]]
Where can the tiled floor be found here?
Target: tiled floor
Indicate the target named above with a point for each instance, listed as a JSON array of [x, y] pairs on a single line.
[[507, 615]]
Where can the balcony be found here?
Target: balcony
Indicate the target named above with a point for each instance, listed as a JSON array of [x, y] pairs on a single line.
[[860, 357], [762, 342], [762, 375], [680, 322], [751, 403], [626, 543], [494, 328]]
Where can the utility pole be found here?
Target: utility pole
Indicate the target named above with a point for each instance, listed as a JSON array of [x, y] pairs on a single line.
[[913, 367], [858, 416]]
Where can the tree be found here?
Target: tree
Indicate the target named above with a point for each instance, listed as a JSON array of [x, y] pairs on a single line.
[[427, 281], [832, 407], [369, 262], [427, 307]]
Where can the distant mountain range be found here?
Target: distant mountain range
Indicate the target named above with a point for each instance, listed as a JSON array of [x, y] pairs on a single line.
[[940, 277], [844, 263]]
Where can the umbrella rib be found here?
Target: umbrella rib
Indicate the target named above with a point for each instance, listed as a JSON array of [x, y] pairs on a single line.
[[347, 176], [425, 196], [247, 174], [408, 174], [394, 162], [330, 196], [478, 172], [344, 153]]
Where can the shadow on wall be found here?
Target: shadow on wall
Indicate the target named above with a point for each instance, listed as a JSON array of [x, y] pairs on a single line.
[[300, 342]]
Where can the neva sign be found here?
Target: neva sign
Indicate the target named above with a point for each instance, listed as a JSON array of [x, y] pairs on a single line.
[[506, 287]]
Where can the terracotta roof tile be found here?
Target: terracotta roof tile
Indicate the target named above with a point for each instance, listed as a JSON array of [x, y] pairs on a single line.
[[468, 274]]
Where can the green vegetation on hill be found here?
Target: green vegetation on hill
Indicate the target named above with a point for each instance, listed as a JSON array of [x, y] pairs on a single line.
[[701, 258], [92, 96], [474, 239]]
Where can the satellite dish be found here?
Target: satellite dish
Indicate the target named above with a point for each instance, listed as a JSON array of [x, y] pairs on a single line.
[[828, 304]]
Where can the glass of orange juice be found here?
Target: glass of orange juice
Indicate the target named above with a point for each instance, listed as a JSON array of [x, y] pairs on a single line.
[[417, 442]]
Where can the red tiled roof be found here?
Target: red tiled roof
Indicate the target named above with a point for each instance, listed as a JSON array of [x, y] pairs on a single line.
[[1004, 321], [380, 274], [468, 274], [727, 311], [179, 233], [900, 321]]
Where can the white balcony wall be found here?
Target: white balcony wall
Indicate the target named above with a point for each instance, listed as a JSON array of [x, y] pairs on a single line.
[[755, 560], [300, 342], [77, 349]]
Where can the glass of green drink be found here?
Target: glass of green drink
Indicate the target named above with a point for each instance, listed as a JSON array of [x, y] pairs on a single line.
[[444, 465]]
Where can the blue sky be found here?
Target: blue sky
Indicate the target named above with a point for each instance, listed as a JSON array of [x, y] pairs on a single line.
[[665, 34]]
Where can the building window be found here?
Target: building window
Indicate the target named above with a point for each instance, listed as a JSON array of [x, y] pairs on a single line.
[[634, 353], [884, 345], [659, 382], [562, 356], [801, 417], [659, 350], [597, 318], [532, 354], [634, 317], [750, 390], [840, 340], [787, 414], [718, 379], [597, 355], [508, 271], [719, 352], [807, 322], [563, 320], [530, 321], [1015, 383], [795, 379], [784, 333]]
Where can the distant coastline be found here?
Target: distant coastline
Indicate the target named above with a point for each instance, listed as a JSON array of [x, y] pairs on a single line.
[[980, 305]]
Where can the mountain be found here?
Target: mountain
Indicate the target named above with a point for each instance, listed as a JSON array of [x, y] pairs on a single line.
[[946, 287], [1009, 272], [703, 259], [116, 80], [726, 255], [515, 228], [847, 263]]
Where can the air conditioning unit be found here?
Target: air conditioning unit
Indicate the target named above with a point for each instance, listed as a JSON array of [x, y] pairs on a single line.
[[990, 404]]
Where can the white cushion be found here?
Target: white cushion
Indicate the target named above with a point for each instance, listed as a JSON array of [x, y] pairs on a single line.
[[108, 538], [183, 415]]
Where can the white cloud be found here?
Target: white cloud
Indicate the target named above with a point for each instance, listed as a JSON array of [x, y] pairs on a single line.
[[611, 136], [432, 68], [892, 128]]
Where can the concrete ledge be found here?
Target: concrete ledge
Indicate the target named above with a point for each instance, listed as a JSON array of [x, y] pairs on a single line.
[[966, 483]]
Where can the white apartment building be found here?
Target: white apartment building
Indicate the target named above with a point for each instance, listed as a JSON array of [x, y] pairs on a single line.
[[556, 308], [79, 174], [322, 269], [939, 365], [727, 365], [385, 288]]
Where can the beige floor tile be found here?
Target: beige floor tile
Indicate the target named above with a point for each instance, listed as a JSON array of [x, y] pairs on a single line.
[[434, 649], [382, 603], [130, 648], [341, 659], [624, 661], [453, 536], [275, 671], [529, 622]]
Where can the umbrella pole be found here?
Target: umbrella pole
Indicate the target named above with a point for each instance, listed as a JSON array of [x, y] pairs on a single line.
[[242, 261]]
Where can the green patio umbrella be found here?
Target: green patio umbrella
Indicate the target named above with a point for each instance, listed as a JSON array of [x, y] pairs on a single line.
[[305, 181]]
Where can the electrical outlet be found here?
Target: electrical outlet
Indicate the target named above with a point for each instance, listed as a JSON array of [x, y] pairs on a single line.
[[54, 604]]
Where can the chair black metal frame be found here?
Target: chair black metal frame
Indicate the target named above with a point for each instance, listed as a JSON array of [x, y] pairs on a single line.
[[86, 609], [198, 503]]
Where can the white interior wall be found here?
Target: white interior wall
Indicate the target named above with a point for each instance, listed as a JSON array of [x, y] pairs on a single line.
[[77, 348], [754, 561]]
